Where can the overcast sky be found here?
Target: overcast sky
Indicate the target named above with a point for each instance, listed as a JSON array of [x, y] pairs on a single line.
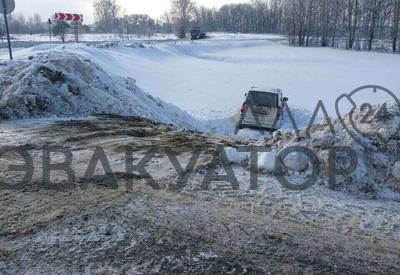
[[154, 8]]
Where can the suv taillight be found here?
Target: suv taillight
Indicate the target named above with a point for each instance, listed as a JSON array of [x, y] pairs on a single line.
[[280, 111], [243, 108]]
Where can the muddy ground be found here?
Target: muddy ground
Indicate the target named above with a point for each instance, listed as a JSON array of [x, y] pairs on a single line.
[[119, 224]]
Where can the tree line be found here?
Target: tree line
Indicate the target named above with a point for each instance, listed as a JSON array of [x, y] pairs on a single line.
[[343, 23], [110, 18], [360, 24], [19, 24]]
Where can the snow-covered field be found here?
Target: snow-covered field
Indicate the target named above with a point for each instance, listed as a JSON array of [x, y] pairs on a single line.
[[213, 75]]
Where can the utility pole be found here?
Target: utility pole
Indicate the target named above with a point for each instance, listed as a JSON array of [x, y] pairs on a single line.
[[8, 7]]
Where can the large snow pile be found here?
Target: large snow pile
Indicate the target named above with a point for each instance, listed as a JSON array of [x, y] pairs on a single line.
[[55, 83], [65, 84], [377, 149]]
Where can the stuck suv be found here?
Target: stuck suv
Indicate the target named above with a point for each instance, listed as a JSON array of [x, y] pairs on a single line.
[[262, 109], [196, 33]]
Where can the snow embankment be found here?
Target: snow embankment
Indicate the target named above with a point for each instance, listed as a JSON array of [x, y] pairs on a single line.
[[58, 84]]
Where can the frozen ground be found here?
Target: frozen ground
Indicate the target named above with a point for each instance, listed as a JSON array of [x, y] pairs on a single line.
[[118, 224]]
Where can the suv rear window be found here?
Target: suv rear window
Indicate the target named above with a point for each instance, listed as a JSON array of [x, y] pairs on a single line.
[[263, 99]]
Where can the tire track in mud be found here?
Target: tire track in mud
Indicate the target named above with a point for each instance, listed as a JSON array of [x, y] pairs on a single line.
[[195, 231]]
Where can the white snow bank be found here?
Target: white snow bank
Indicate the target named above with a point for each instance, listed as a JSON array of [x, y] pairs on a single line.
[[64, 84]]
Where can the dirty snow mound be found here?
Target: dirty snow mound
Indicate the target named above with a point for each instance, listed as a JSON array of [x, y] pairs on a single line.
[[64, 84], [377, 150]]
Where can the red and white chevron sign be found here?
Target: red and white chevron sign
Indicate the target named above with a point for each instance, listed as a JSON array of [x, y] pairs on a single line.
[[61, 16]]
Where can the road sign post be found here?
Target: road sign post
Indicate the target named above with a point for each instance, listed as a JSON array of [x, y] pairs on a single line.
[[50, 23], [74, 18], [63, 32], [76, 32], [7, 7]]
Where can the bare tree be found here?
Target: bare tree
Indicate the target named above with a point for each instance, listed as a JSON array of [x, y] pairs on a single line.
[[35, 24], [2, 33], [396, 23], [182, 13], [374, 10], [107, 14], [166, 22], [352, 17], [17, 23], [336, 23], [141, 24]]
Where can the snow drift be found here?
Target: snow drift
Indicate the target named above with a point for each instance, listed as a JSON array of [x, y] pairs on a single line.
[[65, 84]]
